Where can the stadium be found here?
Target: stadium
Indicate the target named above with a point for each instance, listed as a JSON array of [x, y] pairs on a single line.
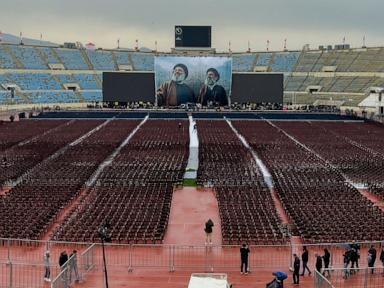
[[101, 160]]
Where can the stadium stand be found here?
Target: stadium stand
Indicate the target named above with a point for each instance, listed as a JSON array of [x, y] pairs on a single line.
[[264, 59], [101, 60], [86, 81], [72, 59], [243, 63], [122, 58], [284, 62], [32, 81], [28, 56], [6, 61], [301, 69], [142, 61]]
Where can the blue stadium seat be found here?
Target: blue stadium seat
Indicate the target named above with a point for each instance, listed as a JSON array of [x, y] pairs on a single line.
[[101, 60], [285, 62], [122, 58], [31, 81], [243, 63], [49, 55], [86, 81], [72, 59], [264, 59], [29, 57], [91, 96], [6, 60], [48, 97], [143, 62]]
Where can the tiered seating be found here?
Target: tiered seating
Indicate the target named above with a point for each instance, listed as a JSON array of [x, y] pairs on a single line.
[[243, 63], [52, 97], [122, 58], [143, 61], [101, 60], [32, 81], [358, 164], [86, 81], [264, 59], [66, 78], [6, 61], [322, 206], [72, 59], [134, 192], [245, 203], [49, 55], [285, 62], [29, 208], [368, 61], [307, 62], [91, 96], [22, 158], [29, 57]]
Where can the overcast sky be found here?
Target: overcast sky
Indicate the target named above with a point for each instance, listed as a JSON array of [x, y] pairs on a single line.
[[104, 21]]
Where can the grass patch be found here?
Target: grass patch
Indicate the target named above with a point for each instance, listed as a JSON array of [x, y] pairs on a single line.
[[190, 182]]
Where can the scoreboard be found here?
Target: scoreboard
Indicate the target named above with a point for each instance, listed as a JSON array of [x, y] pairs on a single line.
[[193, 36]]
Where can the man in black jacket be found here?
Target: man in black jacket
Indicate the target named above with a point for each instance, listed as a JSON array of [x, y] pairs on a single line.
[[244, 253], [296, 270], [319, 263], [211, 91], [372, 258], [304, 258], [208, 231]]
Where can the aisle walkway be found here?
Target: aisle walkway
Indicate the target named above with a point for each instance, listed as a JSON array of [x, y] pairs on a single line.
[[190, 209]]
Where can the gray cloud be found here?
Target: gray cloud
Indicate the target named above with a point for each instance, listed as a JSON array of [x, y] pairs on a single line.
[[301, 21]]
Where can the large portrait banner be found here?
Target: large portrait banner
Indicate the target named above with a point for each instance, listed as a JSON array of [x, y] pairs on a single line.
[[201, 80]]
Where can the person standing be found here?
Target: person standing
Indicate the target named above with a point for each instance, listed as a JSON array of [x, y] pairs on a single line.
[[63, 262], [244, 253], [74, 267], [208, 231], [372, 258], [382, 257], [327, 260], [304, 258], [296, 270], [356, 247], [319, 263], [47, 266], [346, 260]]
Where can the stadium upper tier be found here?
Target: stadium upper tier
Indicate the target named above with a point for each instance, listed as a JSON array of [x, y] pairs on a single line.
[[49, 75]]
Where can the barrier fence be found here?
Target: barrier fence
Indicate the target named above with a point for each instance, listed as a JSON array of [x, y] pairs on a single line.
[[350, 278], [23, 275], [27, 256]]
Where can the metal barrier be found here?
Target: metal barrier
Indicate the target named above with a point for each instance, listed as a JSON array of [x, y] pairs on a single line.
[[23, 275], [351, 278], [27, 255], [321, 281], [88, 259], [69, 274]]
